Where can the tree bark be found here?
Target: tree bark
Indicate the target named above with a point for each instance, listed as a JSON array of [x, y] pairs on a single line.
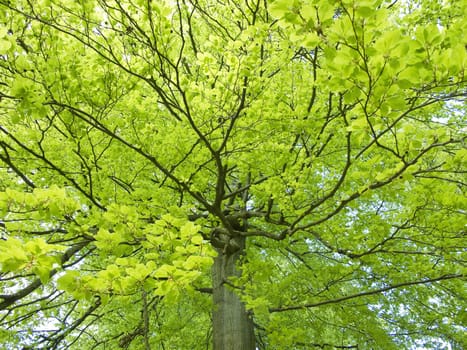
[[232, 327]]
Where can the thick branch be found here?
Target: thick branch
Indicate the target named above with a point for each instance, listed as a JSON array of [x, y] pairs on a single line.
[[9, 299], [367, 293]]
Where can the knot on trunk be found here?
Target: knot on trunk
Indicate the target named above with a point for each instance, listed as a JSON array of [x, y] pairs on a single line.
[[223, 240]]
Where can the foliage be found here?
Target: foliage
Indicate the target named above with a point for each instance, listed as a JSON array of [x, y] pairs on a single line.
[[139, 139]]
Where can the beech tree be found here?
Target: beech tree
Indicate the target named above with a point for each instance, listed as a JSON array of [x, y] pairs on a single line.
[[255, 174]]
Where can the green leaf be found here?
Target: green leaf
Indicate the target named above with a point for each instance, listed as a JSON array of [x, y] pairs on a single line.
[[13, 256], [107, 241], [279, 8], [165, 271], [189, 229], [5, 45], [197, 239], [69, 281], [196, 262]]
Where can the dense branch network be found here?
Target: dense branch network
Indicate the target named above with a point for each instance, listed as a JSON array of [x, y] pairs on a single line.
[[216, 114]]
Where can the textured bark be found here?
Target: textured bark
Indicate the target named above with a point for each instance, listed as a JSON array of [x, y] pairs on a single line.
[[232, 327]]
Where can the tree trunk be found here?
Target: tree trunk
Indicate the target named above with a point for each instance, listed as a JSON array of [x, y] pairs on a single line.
[[232, 327]]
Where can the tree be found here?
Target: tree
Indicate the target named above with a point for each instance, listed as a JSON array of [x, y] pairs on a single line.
[[197, 174]]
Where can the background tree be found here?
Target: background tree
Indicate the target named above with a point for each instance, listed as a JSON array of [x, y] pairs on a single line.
[[301, 161]]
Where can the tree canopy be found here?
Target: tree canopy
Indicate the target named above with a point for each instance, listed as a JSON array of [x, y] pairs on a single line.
[[198, 174]]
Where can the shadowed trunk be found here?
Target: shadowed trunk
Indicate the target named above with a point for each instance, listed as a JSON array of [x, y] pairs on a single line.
[[232, 327]]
